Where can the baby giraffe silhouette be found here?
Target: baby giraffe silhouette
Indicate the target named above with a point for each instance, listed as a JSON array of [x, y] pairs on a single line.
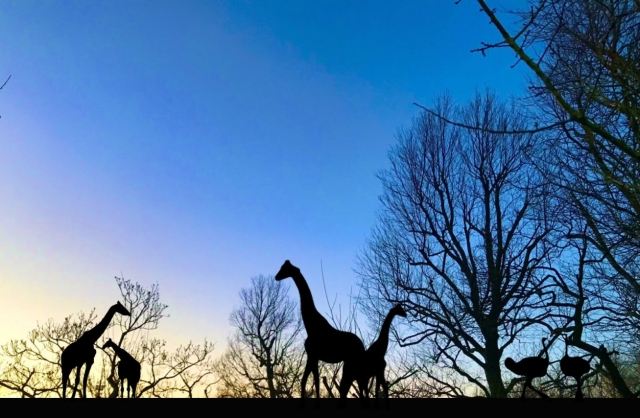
[[324, 342], [374, 363], [81, 352], [128, 368]]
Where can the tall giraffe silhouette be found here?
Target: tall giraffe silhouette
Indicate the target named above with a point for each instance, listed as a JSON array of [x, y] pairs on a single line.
[[324, 342], [81, 352], [128, 368], [374, 363]]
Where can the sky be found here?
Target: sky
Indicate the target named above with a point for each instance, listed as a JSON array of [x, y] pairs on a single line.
[[197, 144]]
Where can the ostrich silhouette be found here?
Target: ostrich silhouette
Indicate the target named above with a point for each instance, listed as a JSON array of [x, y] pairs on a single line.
[[530, 367]]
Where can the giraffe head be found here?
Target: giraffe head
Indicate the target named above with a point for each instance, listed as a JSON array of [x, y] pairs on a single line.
[[109, 343], [119, 308], [287, 270], [398, 310]]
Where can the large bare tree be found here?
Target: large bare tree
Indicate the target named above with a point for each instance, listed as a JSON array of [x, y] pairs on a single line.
[[462, 242], [584, 57]]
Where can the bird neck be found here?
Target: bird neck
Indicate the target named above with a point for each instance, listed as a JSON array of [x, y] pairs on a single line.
[[544, 348]]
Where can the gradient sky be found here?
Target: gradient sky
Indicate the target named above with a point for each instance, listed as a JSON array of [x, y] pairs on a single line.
[[199, 143]]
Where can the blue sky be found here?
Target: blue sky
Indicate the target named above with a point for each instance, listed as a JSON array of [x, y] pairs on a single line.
[[199, 143]]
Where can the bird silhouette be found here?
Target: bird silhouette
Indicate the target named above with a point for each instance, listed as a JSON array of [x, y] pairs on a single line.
[[575, 367], [530, 367]]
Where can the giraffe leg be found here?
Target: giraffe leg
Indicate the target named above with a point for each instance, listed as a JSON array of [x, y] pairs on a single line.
[[122, 388], [363, 389], [65, 381], [316, 383], [363, 384], [366, 388], [385, 388], [345, 383], [87, 369], [75, 386], [303, 382], [376, 401]]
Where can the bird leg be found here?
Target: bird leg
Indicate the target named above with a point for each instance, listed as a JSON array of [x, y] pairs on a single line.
[[524, 388], [542, 395], [579, 395]]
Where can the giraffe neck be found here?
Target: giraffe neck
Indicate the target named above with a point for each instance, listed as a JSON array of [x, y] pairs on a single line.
[[307, 307], [117, 350], [94, 333], [123, 355], [382, 343]]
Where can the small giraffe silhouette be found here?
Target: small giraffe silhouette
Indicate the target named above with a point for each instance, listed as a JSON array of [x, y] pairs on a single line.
[[324, 342], [128, 368], [81, 352], [375, 364]]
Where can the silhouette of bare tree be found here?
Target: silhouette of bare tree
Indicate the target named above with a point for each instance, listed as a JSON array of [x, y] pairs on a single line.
[[264, 357], [459, 242]]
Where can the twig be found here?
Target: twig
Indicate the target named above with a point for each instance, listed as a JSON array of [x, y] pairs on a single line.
[[326, 295], [5, 83]]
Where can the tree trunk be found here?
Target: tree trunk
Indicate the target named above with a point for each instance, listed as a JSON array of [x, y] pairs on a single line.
[[492, 368], [113, 383], [272, 389]]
